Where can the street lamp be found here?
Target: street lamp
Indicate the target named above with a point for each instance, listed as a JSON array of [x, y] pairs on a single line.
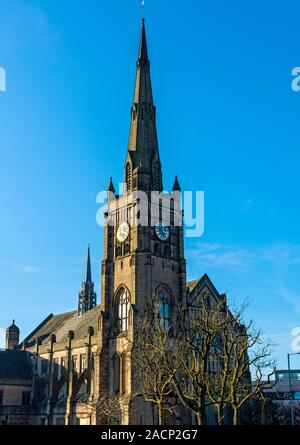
[[290, 384]]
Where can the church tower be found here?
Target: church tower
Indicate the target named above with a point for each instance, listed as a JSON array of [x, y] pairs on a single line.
[[143, 248]]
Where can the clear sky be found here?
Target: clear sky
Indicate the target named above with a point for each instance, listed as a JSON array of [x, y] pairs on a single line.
[[228, 124]]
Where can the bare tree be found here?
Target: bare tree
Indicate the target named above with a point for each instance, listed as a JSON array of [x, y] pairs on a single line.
[[107, 409], [206, 360], [152, 357], [195, 355], [283, 413], [241, 348]]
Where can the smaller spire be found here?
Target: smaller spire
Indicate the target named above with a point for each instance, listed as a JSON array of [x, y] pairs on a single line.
[[87, 295], [176, 186], [110, 187], [88, 275]]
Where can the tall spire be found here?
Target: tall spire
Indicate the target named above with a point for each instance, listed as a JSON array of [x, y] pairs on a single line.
[[87, 295], [142, 167], [143, 51]]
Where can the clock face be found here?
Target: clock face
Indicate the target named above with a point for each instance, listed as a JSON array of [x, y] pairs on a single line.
[[162, 231], [123, 232]]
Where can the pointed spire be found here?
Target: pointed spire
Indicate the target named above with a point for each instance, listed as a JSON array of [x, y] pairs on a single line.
[[88, 274], [176, 186], [143, 143], [110, 187], [143, 51], [143, 87]]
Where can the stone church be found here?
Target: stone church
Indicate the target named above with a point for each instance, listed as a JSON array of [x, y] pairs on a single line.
[[59, 372]]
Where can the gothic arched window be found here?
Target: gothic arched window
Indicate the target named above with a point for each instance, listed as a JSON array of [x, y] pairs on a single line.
[[128, 176], [164, 310], [123, 310]]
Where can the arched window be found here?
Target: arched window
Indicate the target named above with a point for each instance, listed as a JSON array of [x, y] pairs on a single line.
[[128, 176], [164, 310], [123, 310], [116, 374]]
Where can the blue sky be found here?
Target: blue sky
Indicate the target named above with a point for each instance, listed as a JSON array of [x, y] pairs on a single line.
[[228, 124]]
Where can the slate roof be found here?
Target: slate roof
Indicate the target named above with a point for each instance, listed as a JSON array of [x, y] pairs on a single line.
[[61, 324], [15, 365]]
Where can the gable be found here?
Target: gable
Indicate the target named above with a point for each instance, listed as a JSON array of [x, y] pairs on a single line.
[[201, 289]]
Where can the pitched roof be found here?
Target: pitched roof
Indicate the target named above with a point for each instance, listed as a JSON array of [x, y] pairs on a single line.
[[195, 286], [15, 365], [61, 324], [192, 284]]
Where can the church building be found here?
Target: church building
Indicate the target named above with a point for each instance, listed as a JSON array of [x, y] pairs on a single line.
[[75, 359]]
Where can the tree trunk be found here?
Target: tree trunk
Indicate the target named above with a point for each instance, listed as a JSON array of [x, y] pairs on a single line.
[[220, 412], [160, 414], [235, 415], [201, 418]]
